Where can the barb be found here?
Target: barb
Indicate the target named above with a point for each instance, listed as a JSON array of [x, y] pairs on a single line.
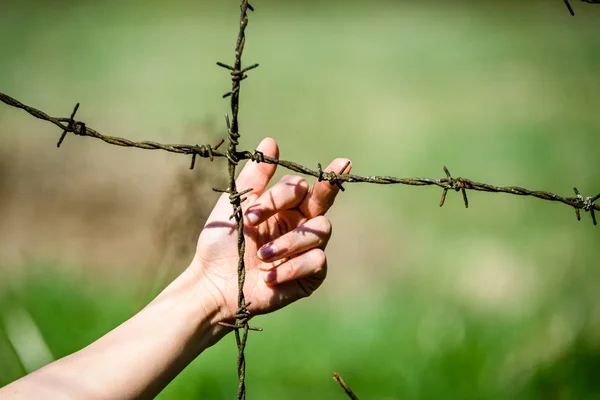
[[81, 129], [587, 204], [456, 184], [208, 149], [71, 122], [583, 1], [333, 177], [348, 391]]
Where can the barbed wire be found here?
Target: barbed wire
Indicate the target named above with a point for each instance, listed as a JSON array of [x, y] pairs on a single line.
[[578, 202], [242, 316], [583, 1], [238, 74]]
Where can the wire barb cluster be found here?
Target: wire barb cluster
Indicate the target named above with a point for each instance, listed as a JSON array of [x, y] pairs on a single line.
[[204, 150], [333, 177], [454, 184], [587, 204], [75, 127]]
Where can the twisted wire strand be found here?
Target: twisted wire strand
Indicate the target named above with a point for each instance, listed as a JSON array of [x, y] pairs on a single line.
[[81, 129]]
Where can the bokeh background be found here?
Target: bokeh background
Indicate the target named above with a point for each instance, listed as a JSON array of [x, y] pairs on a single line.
[[497, 301]]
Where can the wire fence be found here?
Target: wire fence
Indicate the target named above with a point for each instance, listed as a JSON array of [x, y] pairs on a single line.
[[241, 325]]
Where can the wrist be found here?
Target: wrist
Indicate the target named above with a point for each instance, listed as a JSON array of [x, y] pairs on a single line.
[[198, 307]]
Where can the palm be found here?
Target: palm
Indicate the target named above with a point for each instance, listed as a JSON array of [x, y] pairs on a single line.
[[221, 255]]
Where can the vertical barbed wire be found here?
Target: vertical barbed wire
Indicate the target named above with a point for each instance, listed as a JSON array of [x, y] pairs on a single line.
[[238, 74]]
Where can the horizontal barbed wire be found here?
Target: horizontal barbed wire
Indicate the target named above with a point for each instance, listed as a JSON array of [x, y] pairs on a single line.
[[578, 202]]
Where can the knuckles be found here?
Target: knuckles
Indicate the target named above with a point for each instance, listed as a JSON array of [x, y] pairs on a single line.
[[296, 181], [320, 260], [324, 225]]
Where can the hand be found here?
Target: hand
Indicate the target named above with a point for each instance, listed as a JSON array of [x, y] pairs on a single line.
[[153, 346], [285, 232]]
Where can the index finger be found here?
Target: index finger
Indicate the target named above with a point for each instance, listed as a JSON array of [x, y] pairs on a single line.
[[257, 175], [322, 194]]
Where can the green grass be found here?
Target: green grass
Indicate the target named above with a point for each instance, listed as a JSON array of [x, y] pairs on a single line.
[[400, 344], [497, 301]]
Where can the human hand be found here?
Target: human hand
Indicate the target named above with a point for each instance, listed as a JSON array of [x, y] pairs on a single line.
[[285, 232]]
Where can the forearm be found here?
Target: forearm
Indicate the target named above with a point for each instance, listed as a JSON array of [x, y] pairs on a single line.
[[138, 358]]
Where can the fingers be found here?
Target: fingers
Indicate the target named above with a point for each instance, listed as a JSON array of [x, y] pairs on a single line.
[[322, 194], [286, 194], [315, 233], [257, 175], [307, 264]]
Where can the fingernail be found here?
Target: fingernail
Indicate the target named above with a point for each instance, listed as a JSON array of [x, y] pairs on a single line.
[[270, 276], [253, 216], [267, 252]]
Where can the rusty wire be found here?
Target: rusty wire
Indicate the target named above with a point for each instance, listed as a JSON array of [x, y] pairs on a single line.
[[242, 316], [578, 202], [583, 1]]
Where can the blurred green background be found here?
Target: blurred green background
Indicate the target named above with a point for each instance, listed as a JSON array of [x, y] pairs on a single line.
[[497, 301]]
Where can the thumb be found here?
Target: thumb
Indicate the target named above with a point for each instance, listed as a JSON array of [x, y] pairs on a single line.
[[322, 195]]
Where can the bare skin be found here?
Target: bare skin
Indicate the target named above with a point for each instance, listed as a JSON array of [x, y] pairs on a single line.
[[286, 234]]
